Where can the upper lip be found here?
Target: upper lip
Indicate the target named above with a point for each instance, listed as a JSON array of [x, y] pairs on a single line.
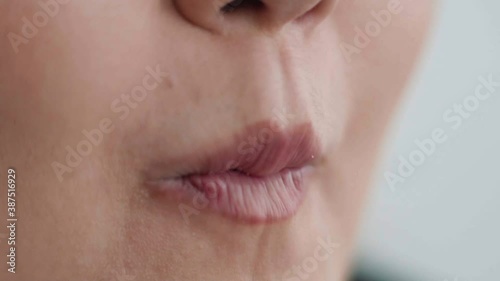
[[259, 150]]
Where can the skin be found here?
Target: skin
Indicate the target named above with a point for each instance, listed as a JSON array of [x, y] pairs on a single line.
[[221, 73]]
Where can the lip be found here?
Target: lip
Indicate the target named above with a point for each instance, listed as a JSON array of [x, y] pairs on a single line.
[[260, 177]]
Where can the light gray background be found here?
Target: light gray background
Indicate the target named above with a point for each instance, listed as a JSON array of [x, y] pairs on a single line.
[[443, 223]]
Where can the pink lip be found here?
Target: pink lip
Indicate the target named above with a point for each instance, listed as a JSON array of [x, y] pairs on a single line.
[[260, 178]]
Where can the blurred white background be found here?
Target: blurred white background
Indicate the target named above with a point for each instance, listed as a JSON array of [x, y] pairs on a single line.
[[443, 222]]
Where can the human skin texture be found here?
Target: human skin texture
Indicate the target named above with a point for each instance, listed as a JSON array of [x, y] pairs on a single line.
[[169, 82]]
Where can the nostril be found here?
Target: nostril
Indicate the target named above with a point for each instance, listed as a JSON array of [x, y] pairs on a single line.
[[316, 9], [230, 16], [241, 4], [231, 6]]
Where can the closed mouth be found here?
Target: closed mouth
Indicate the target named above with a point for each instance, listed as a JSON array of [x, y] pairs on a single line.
[[250, 181]]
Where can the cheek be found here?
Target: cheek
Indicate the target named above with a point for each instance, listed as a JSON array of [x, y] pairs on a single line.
[[375, 68], [380, 42], [61, 82], [66, 77]]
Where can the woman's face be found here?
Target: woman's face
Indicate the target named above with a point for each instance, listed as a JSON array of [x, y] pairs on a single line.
[[119, 116]]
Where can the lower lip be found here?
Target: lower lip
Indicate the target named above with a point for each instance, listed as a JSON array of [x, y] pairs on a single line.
[[241, 197]]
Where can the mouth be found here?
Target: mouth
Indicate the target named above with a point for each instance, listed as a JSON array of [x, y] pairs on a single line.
[[260, 177]]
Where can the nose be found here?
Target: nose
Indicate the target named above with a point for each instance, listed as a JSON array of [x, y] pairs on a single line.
[[235, 15]]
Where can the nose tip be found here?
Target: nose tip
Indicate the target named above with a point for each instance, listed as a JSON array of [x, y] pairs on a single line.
[[230, 15]]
